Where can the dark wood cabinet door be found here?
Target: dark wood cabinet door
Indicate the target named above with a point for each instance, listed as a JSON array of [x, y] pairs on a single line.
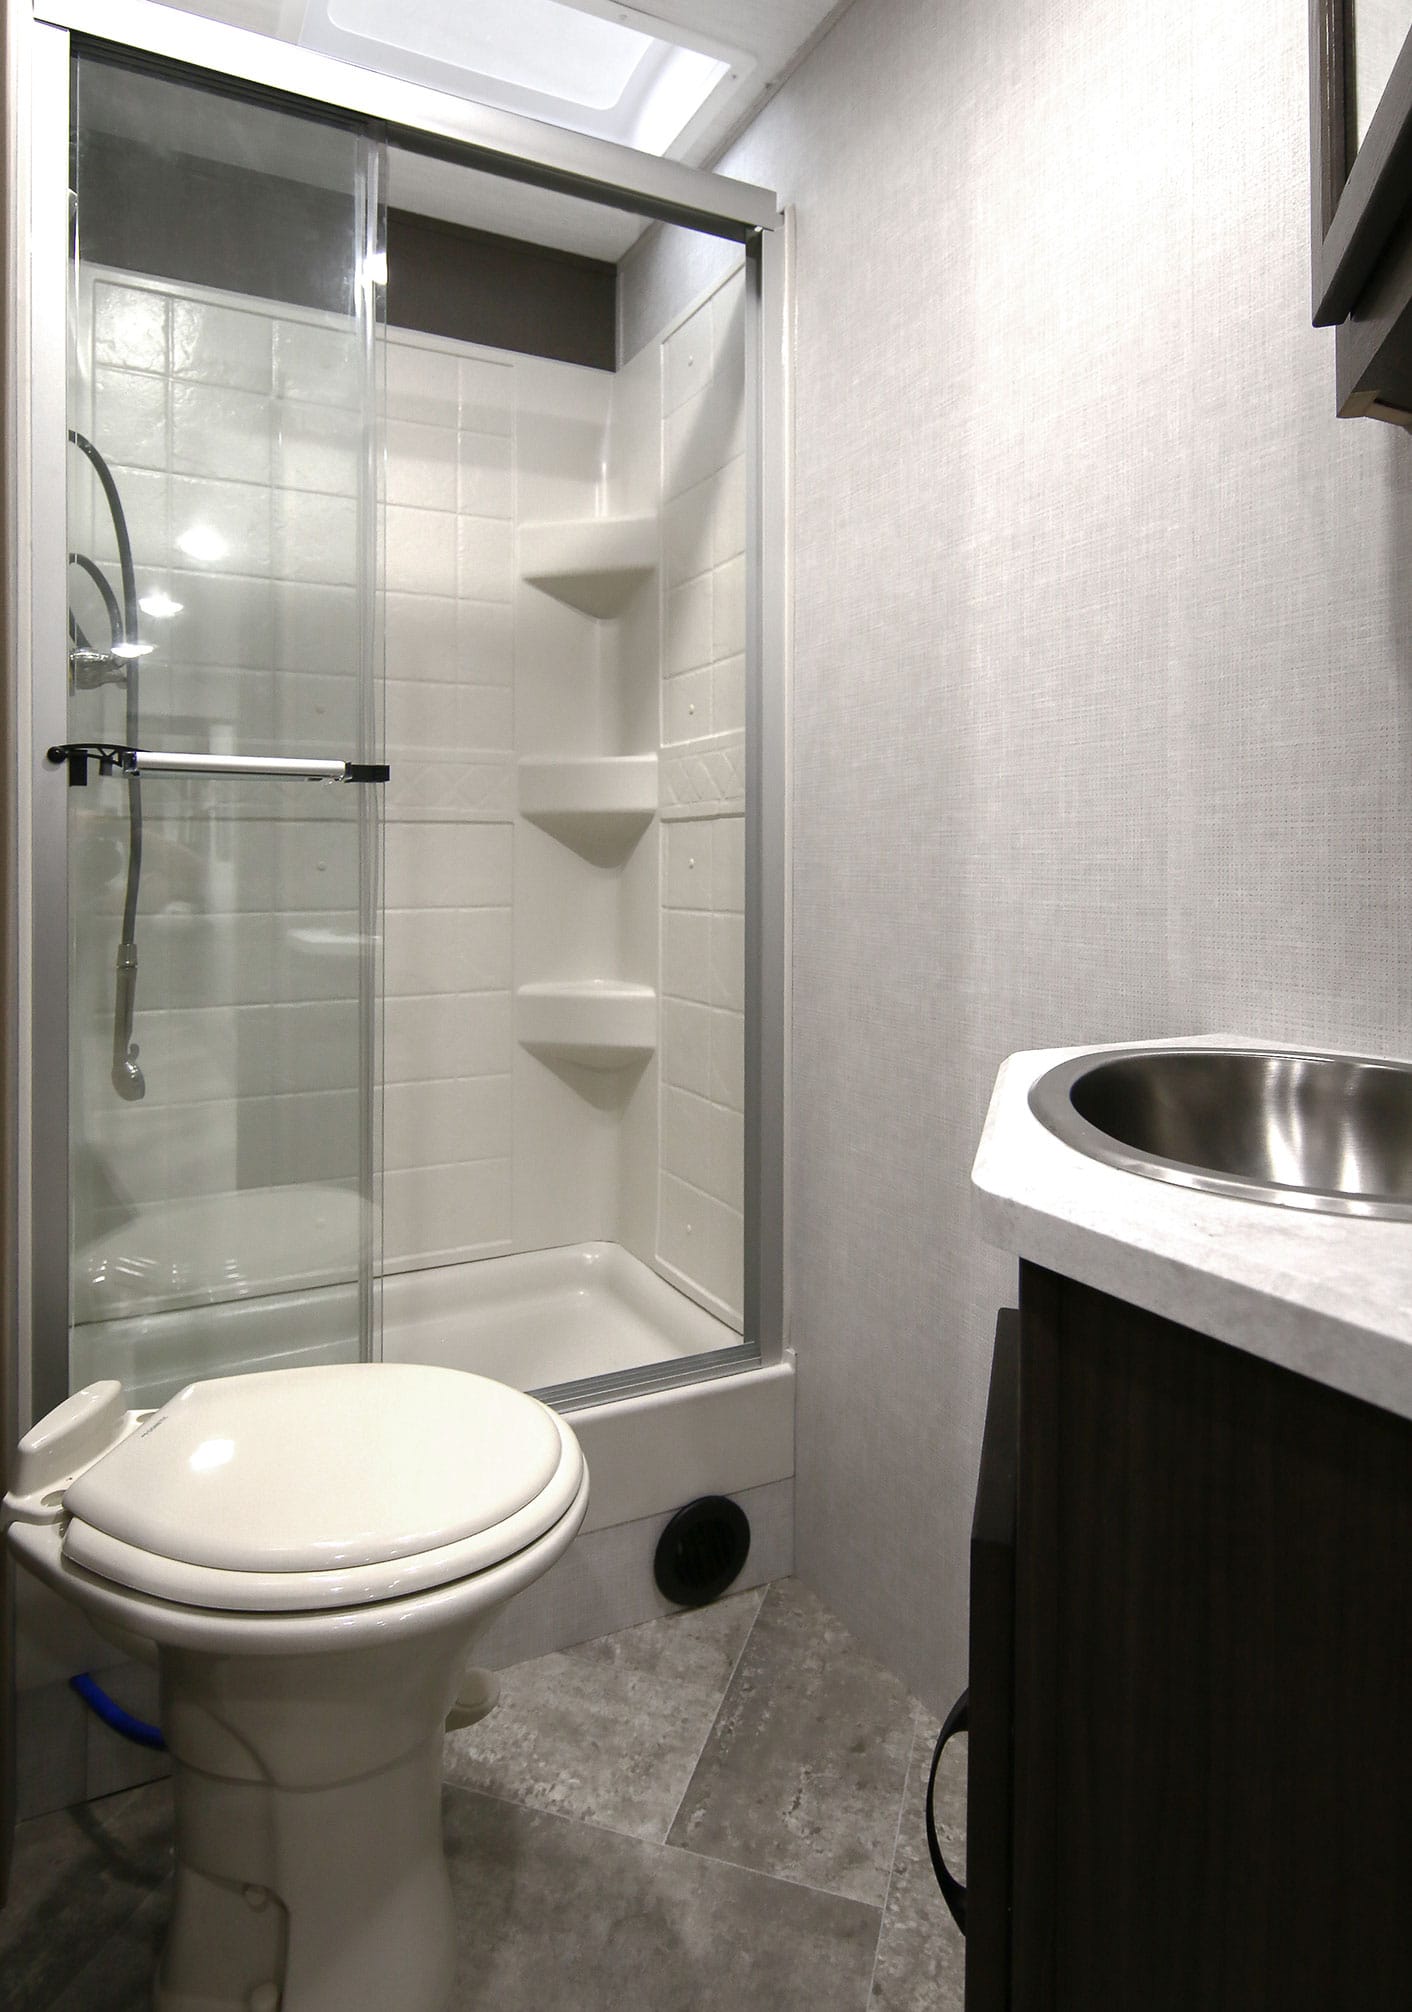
[[1213, 1736]]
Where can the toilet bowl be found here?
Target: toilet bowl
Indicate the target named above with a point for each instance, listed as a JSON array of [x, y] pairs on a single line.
[[312, 1553]]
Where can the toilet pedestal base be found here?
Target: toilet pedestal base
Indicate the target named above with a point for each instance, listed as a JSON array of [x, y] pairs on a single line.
[[311, 1900], [310, 1868]]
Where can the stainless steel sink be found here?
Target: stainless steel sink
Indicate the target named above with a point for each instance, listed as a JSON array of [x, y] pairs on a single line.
[[1305, 1131]]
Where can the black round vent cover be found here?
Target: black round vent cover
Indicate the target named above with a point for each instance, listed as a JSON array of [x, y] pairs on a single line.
[[702, 1550]]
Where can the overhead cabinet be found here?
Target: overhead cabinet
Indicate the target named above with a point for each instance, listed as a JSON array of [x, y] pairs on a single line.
[[1360, 91]]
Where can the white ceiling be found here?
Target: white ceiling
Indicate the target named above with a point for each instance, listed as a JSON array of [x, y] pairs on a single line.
[[777, 33]]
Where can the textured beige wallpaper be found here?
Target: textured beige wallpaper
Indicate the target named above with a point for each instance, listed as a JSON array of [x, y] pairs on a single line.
[[1104, 646]]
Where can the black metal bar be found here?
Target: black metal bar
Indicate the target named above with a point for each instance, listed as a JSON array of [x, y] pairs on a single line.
[[109, 756]]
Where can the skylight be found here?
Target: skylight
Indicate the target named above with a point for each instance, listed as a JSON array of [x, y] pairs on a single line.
[[541, 45], [616, 73]]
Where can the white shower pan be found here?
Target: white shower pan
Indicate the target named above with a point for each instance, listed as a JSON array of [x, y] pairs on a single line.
[[543, 1319], [555, 1321]]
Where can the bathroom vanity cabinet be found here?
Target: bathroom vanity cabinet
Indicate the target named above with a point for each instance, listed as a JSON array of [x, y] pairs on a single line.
[[1191, 1676]]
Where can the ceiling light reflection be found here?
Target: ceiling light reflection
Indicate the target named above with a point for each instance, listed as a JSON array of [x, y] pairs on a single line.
[[212, 1453], [159, 605], [202, 543]]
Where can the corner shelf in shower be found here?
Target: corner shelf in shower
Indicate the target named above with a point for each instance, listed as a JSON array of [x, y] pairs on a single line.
[[600, 1023], [593, 564], [602, 802]]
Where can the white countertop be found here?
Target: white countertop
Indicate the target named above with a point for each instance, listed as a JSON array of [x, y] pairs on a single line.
[[1329, 1296]]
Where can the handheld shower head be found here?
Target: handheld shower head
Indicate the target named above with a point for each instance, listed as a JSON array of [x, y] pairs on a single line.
[[128, 1079]]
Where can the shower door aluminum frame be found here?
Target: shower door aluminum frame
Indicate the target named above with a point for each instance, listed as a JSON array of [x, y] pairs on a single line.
[[498, 142]]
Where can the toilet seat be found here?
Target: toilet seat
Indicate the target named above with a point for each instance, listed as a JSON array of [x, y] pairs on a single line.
[[169, 1624], [306, 1490]]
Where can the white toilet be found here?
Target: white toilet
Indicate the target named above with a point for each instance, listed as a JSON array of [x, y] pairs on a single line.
[[312, 1553]]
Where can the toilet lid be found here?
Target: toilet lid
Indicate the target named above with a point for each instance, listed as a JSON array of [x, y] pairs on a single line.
[[323, 1486]]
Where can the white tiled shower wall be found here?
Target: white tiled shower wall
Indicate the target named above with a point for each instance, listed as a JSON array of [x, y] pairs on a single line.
[[700, 1234], [241, 419], [448, 1132]]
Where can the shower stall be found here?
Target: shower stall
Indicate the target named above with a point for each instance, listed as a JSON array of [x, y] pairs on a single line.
[[407, 890]]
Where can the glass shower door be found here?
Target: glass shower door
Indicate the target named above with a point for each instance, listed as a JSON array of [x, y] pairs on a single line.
[[224, 850]]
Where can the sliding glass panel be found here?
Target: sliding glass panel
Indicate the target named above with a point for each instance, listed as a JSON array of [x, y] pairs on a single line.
[[224, 469], [567, 646]]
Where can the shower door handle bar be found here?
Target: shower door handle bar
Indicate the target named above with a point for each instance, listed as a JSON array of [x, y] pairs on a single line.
[[113, 759]]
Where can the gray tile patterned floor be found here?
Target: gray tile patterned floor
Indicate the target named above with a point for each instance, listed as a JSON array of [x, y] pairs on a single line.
[[717, 1812]]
